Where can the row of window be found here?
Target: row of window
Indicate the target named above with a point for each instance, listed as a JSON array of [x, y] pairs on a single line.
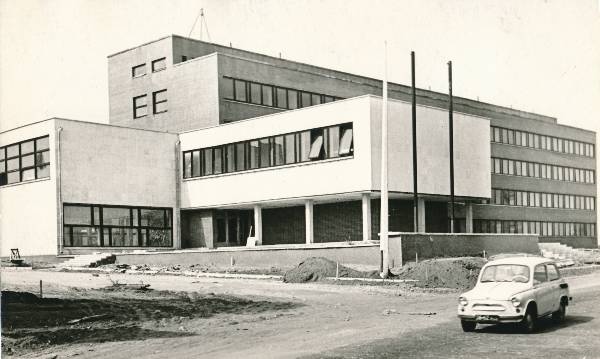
[[25, 161], [272, 96], [548, 229], [542, 142], [155, 65], [159, 104], [505, 166], [539, 199], [116, 226], [310, 145]]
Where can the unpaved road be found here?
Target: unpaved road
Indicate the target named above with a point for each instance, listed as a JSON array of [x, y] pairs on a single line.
[[315, 320]]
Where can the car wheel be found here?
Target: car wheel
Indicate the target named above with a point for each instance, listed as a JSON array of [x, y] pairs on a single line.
[[468, 326], [528, 322], [560, 314]]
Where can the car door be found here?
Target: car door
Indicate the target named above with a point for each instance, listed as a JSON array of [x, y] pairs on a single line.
[[541, 289], [554, 284]]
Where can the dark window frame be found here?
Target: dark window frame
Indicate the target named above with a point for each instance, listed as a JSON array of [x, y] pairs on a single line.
[[545, 142], [274, 103], [158, 61], [156, 103], [188, 154], [19, 157], [134, 68], [135, 223], [136, 107]]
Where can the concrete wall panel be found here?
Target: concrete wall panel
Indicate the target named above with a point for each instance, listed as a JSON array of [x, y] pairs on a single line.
[[28, 210]]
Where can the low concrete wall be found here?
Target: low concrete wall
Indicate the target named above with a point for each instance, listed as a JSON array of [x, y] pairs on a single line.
[[459, 245], [260, 257]]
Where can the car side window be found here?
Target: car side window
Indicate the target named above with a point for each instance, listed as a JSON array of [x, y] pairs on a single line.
[[552, 272], [539, 274]]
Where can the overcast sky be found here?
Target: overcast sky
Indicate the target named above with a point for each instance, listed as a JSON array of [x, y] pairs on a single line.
[[537, 55]]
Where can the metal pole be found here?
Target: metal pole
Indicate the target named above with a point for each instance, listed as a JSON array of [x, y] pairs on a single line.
[[383, 228], [451, 141], [414, 145]]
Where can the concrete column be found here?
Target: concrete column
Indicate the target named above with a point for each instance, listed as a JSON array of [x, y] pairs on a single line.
[[226, 228], [366, 216], [421, 216], [238, 228], [258, 225], [309, 218], [469, 217]]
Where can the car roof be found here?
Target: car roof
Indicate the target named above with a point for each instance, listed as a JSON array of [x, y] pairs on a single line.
[[528, 261]]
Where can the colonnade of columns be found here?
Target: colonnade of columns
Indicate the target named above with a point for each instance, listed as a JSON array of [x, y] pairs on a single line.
[[366, 219]]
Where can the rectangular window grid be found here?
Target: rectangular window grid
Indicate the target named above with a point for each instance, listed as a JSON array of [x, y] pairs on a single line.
[[25, 161], [95, 225], [542, 228], [502, 166], [296, 147], [271, 95], [542, 142], [159, 101]]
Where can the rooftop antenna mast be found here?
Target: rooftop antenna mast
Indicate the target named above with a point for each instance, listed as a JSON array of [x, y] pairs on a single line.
[[203, 25]]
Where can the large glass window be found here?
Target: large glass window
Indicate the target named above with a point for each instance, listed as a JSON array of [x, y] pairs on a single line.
[[265, 152], [278, 154], [228, 91], [255, 94], [290, 148], [112, 226], [311, 145], [25, 161]]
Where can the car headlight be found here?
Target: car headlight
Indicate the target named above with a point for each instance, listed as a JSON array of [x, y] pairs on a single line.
[[463, 301], [515, 302]]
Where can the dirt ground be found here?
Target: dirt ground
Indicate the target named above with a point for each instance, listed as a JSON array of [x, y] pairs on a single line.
[[214, 318]]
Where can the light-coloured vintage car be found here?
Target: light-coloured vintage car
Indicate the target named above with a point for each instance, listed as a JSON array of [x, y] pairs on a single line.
[[515, 290]]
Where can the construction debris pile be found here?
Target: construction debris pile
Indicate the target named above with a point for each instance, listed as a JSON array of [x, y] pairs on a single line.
[[318, 268], [456, 273]]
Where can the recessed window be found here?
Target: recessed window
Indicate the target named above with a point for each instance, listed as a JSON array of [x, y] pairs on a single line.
[[139, 70], [158, 65], [159, 101], [140, 106]]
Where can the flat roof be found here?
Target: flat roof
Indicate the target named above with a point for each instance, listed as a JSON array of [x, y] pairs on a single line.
[[462, 101]]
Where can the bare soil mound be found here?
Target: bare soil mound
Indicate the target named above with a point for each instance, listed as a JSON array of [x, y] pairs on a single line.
[[457, 273], [318, 268]]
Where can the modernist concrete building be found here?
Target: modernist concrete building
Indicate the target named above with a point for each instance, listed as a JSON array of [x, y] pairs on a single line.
[[208, 145]]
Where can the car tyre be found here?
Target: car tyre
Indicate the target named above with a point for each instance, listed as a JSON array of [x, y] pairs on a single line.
[[560, 314], [528, 323], [468, 326]]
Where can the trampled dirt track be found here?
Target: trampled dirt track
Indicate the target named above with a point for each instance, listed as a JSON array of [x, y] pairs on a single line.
[[287, 320]]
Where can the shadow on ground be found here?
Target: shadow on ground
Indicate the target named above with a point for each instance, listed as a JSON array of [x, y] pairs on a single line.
[[97, 316], [544, 325]]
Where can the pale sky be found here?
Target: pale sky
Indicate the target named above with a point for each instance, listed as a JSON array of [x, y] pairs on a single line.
[[536, 55]]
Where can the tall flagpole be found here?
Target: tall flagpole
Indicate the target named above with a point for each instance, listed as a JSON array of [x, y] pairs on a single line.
[[383, 228], [414, 145], [451, 144]]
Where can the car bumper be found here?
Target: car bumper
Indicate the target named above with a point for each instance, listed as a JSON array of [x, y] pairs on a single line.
[[491, 319]]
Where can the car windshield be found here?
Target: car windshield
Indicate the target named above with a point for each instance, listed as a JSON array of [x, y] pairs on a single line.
[[505, 273]]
